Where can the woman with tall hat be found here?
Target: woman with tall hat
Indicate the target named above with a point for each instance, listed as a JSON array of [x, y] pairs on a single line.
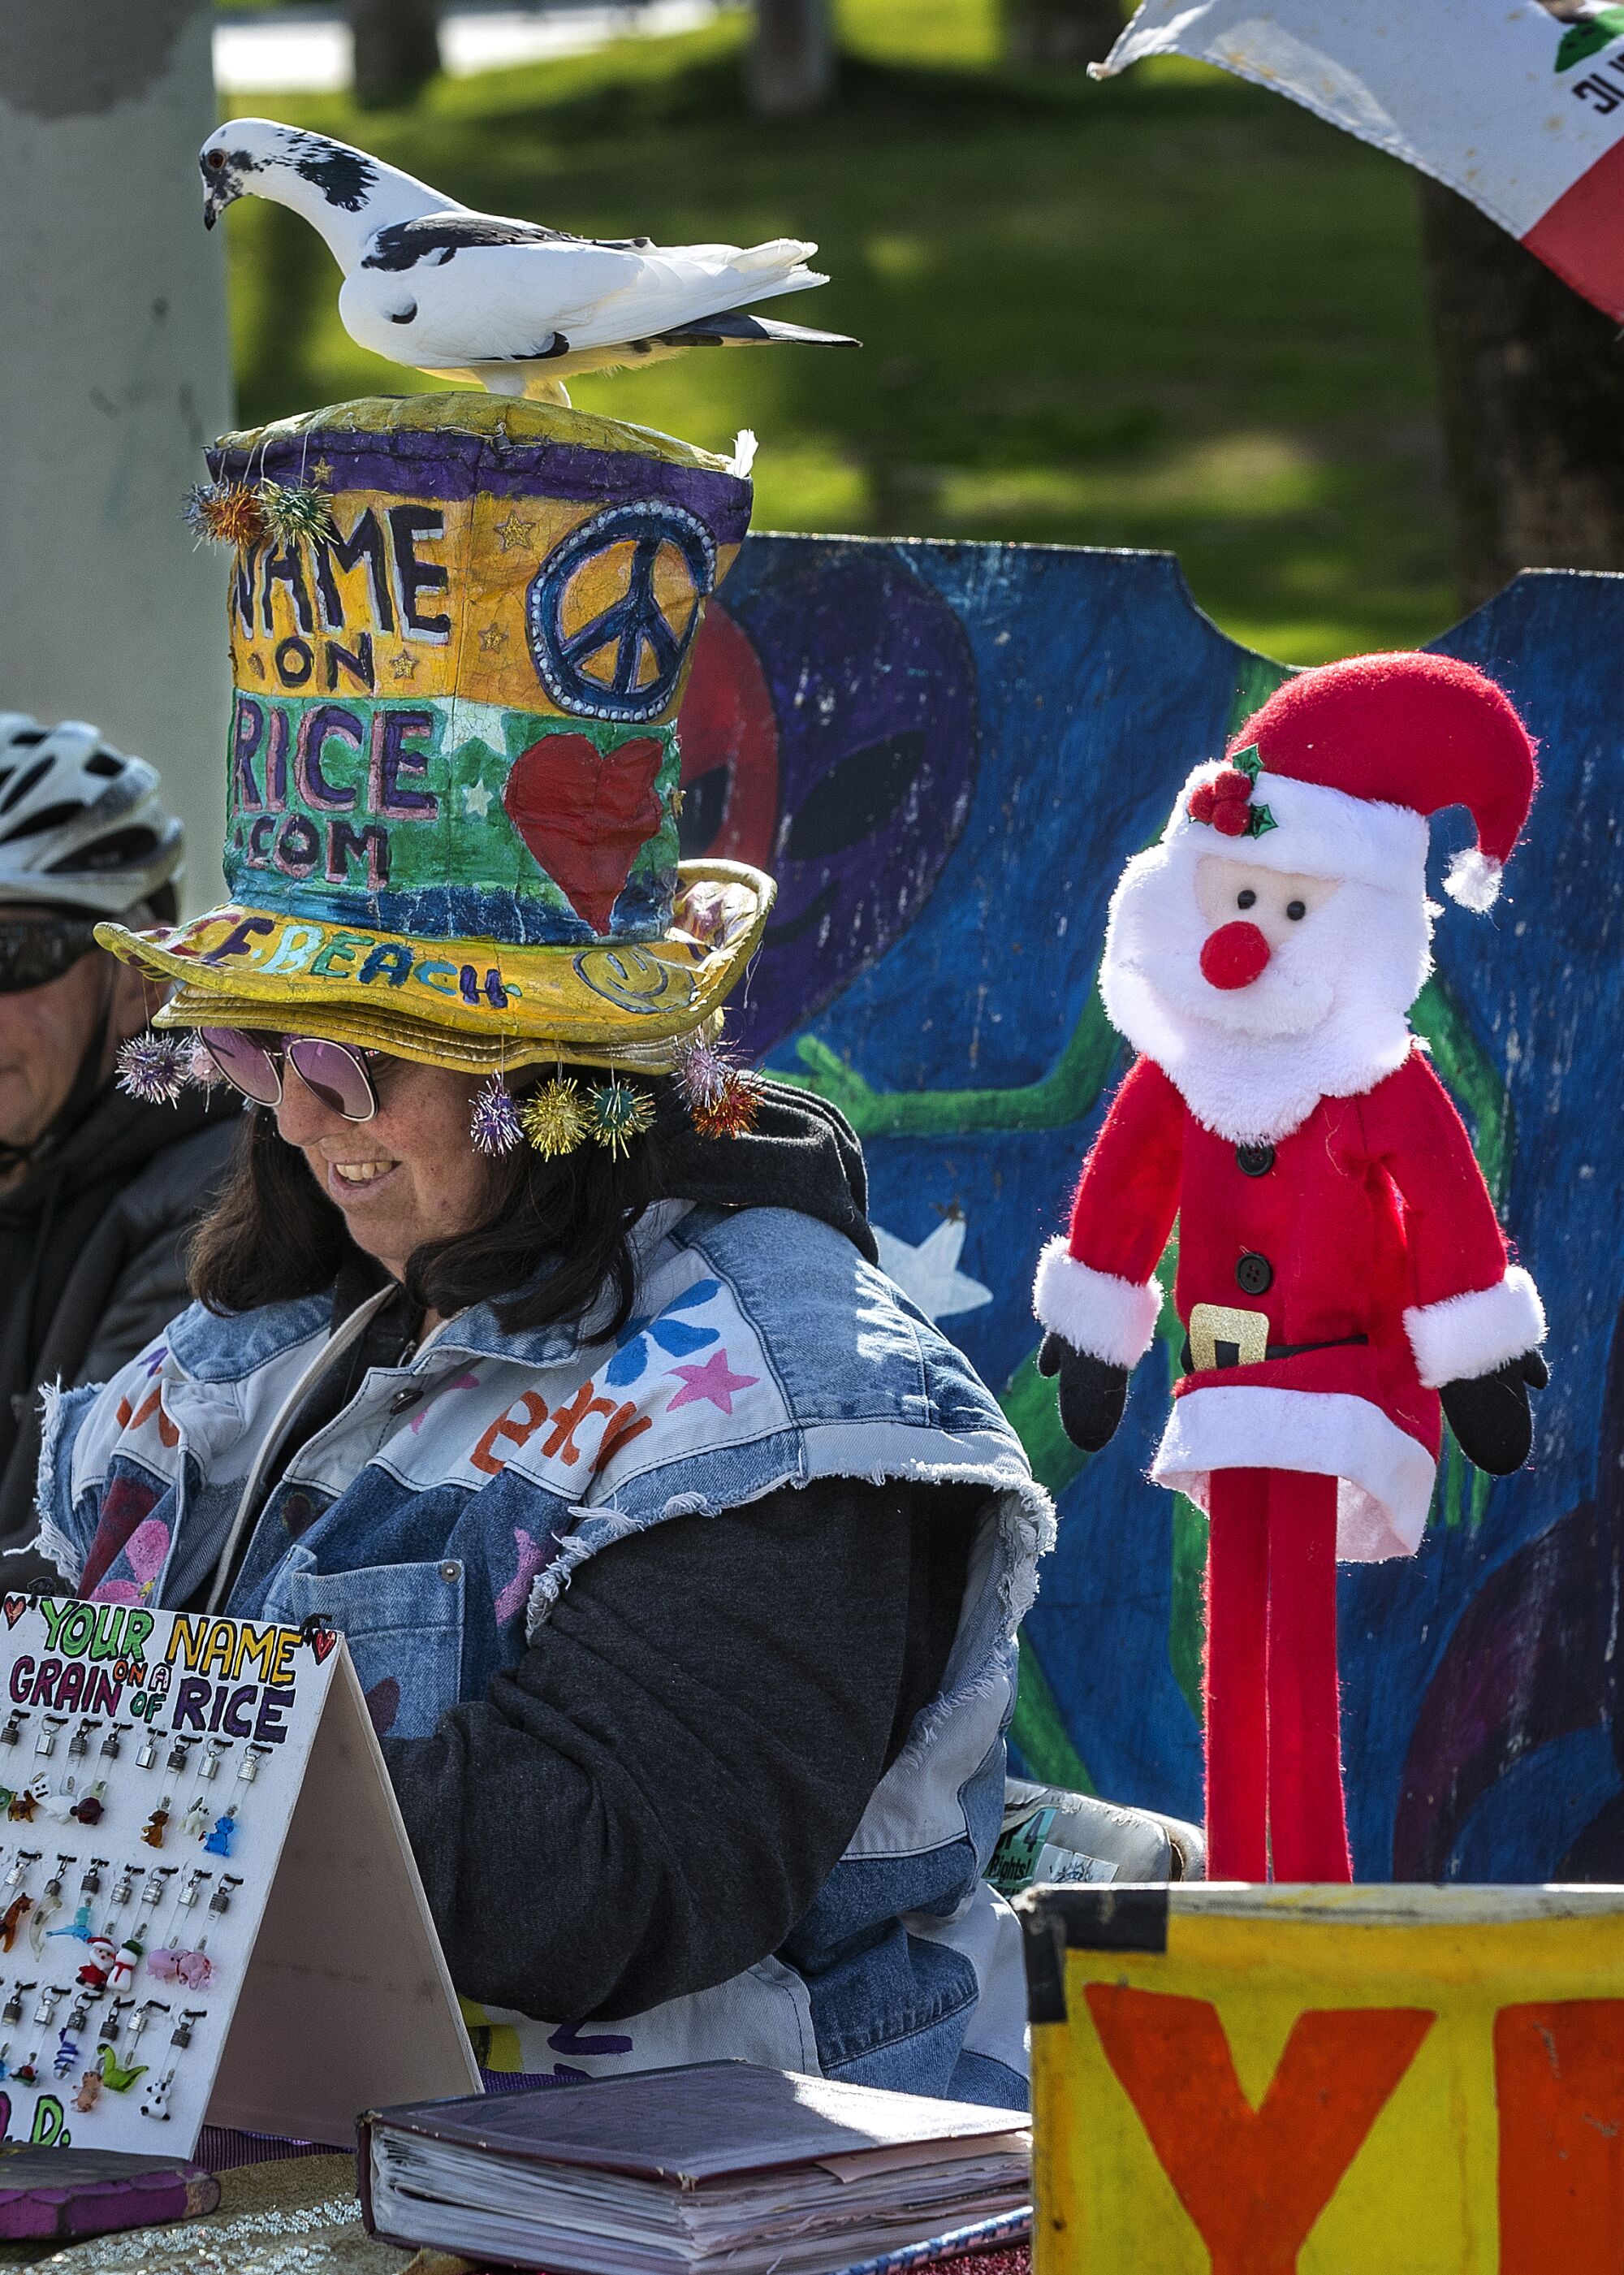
[[538, 1347]]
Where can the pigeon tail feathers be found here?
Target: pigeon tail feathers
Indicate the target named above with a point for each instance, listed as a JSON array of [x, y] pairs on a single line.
[[780, 254]]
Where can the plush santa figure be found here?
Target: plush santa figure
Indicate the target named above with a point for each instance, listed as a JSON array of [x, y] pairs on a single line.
[[1341, 1272]]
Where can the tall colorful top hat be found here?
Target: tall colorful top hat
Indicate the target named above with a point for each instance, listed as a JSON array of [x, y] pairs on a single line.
[[460, 629]]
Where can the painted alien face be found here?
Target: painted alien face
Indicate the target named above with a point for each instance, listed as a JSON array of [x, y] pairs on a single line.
[[828, 734]]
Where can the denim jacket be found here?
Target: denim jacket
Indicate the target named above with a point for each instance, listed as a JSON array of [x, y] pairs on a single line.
[[448, 1503]]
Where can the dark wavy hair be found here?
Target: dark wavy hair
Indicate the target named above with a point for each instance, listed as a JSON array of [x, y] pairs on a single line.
[[554, 1236]]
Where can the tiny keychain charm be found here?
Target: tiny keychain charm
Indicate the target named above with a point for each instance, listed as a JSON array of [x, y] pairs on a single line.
[[209, 1768], [88, 1809], [21, 1862], [195, 1823], [249, 1767], [12, 2010], [97, 1965], [46, 1742], [151, 1831], [47, 2007], [126, 1961], [47, 1906], [110, 1746], [67, 2058], [180, 1754], [149, 1753], [124, 1887], [219, 1841], [13, 1919], [78, 1744], [221, 1901], [12, 1735]]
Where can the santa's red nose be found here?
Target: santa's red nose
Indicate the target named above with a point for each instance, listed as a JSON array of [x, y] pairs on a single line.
[[1234, 956]]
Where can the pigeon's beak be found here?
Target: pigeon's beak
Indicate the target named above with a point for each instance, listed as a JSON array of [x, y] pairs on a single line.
[[222, 187]]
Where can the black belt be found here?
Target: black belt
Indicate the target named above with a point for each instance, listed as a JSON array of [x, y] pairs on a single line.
[[1274, 1350]]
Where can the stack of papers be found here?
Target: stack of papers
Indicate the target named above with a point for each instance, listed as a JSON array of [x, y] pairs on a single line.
[[723, 2166]]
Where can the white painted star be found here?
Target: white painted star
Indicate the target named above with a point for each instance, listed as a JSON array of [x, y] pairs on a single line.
[[477, 799], [929, 1273]]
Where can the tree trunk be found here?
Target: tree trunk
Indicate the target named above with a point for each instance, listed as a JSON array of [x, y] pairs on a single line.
[[1531, 386], [115, 371], [396, 51], [1060, 35], [790, 67]]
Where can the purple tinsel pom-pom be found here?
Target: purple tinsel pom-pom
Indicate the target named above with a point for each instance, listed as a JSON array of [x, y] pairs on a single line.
[[154, 1068], [201, 1071], [494, 1124], [703, 1073]]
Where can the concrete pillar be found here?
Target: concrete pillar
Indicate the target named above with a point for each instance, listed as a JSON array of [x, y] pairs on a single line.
[[114, 373]]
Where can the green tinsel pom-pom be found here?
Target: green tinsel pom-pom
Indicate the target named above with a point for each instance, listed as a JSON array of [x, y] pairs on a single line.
[[294, 511], [620, 1115]]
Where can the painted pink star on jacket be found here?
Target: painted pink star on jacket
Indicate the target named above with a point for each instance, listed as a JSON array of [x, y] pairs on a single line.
[[713, 1380]]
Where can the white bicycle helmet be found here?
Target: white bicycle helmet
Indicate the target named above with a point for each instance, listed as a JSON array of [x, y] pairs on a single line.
[[81, 826]]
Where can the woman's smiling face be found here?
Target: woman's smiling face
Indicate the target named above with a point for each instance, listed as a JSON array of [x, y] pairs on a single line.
[[409, 1175]]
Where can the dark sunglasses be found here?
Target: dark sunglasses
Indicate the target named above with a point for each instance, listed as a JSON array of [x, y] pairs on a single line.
[[36, 949], [252, 1063]]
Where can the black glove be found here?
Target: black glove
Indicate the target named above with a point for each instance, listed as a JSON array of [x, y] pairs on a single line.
[[1491, 1416], [1092, 1394]]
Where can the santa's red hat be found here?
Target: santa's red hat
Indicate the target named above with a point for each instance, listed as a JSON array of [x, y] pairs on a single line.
[[1336, 775]]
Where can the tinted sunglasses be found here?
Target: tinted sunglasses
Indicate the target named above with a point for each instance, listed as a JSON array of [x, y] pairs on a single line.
[[253, 1064], [36, 949]]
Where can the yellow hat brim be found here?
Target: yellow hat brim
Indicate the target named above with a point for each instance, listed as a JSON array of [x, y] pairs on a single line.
[[469, 1003]]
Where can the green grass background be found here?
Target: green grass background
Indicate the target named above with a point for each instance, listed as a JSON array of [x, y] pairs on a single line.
[[1169, 310]]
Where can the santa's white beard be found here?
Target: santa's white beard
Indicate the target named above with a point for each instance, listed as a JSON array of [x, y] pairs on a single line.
[[1325, 1019]]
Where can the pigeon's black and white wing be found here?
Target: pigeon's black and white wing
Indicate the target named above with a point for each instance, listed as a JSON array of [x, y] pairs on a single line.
[[440, 237]]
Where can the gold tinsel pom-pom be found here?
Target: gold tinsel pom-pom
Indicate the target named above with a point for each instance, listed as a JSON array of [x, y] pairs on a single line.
[[554, 1118], [226, 513], [619, 1115], [294, 511], [734, 1110]]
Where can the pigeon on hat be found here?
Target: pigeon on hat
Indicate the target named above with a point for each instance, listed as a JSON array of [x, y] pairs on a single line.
[[508, 305]]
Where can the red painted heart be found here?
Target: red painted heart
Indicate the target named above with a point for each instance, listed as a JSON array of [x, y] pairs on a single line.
[[585, 814], [15, 1606], [321, 1641]]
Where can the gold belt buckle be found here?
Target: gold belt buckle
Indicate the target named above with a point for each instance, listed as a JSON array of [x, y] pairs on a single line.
[[1220, 1337]]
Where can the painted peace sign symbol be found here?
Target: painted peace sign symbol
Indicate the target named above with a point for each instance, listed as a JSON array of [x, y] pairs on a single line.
[[624, 660]]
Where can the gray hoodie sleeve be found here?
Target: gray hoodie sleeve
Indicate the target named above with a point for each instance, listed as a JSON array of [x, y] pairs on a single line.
[[649, 1801]]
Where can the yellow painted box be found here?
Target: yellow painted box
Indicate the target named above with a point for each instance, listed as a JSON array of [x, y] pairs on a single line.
[[1364, 2081]]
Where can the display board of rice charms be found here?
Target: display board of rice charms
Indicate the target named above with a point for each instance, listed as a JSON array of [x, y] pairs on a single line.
[[188, 1804]]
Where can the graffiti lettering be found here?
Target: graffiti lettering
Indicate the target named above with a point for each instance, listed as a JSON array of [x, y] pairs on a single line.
[[327, 722], [412, 574], [371, 842], [364, 543], [391, 759], [356, 661]]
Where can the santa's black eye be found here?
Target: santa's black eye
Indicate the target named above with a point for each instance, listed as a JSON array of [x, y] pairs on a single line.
[[216, 157], [1297, 910], [1245, 900]]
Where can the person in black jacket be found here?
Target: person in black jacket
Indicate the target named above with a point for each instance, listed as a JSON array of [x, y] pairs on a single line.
[[98, 1192]]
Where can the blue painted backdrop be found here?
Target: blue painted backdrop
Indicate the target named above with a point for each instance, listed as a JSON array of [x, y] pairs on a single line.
[[946, 752]]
